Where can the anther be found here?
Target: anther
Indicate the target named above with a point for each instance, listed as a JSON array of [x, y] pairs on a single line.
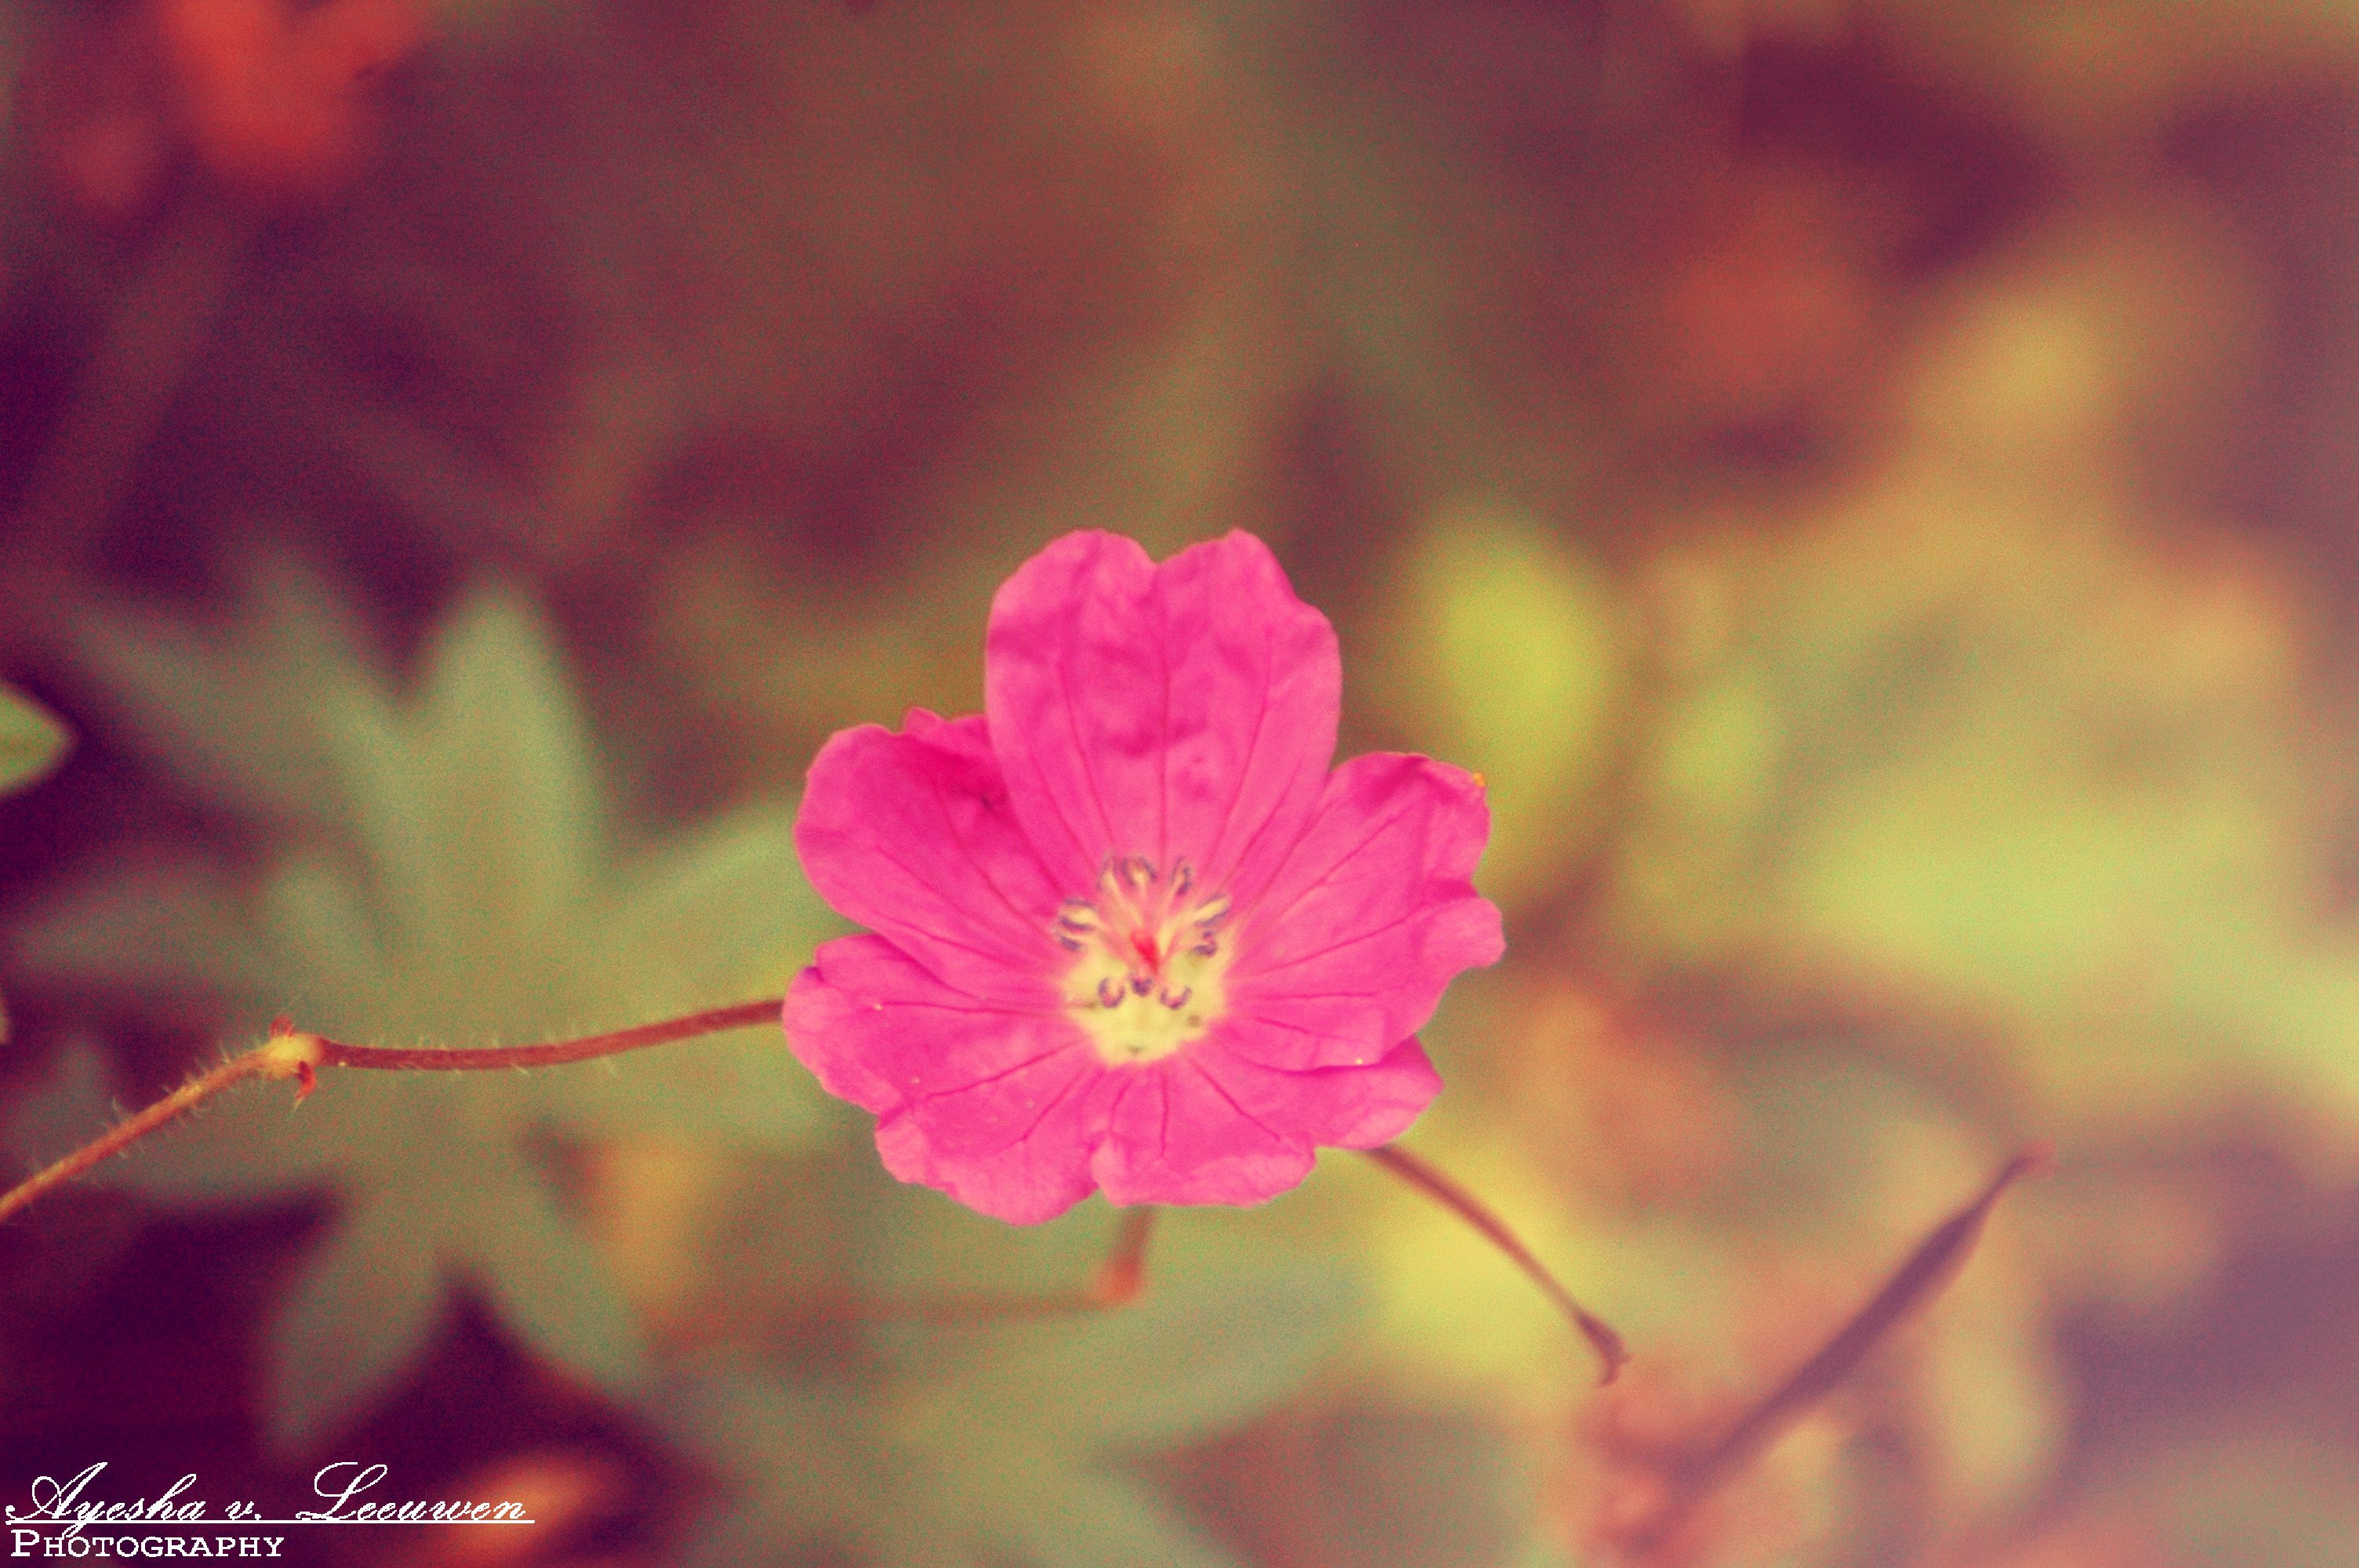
[[1078, 915], [1109, 992], [1207, 948], [1215, 911], [1140, 984], [1140, 871], [1175, 1002], [1184, 877]]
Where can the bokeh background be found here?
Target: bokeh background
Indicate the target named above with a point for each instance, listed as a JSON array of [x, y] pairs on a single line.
[[1870, 482]]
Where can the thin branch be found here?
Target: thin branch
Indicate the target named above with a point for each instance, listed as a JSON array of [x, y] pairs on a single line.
[[289, 1054], [1611, 1352]]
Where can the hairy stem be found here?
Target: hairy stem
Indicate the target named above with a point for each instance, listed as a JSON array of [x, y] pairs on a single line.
[[292, 1055], [1426, 1179], [123, 1135], [712, 1021]]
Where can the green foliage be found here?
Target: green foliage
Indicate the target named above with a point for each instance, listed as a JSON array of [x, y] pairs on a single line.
[[450, 876], [1513, 667], [2032, 769], [31, 741], [2258, 1497], [1011, 1451]]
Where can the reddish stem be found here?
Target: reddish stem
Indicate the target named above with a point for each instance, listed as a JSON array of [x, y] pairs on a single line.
[[1927, 1270], [712, 1021], [291, 1054], [124, 1134], [1611, 1352], [1117, 1284]]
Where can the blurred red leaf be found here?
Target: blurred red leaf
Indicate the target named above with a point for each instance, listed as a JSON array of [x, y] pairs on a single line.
[[267, 100]]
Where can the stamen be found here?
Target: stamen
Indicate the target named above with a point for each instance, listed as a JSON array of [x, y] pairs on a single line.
[[1138, 935], [1076, 918]]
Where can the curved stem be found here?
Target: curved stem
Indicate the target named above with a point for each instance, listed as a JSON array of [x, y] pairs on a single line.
[[292, 1055], [1425, 1178]]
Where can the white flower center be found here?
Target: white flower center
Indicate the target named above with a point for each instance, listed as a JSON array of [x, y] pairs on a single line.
[[1147, 960]]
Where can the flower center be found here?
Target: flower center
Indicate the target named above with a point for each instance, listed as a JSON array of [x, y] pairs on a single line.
[[1148, 959]]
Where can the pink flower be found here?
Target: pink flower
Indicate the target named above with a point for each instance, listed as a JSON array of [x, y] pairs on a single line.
[[1130, 934]]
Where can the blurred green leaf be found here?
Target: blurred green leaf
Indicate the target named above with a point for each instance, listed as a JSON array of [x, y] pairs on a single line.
[[2285, 1503], [184, 693], [2247, 1485], [1009, 1453], [1196, 1356], [1433, 1488], [31, 741], [73, 1105], [456, 880], [2025, 764], [1511, 665]]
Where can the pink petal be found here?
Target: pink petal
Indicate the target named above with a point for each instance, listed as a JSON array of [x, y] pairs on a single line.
[[1350, 948], [1049, 1118], [1333, 1108], [1177, 1136], [997, 1106], [911, 836], [880, 1029], [1179, 712]]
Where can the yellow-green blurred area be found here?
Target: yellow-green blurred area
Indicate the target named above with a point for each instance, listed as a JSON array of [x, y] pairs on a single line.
[[1872, 487]]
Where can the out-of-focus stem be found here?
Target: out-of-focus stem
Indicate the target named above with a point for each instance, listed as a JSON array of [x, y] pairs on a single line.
[[1936, 1260], [1117, 1284], [1425, 1178]]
